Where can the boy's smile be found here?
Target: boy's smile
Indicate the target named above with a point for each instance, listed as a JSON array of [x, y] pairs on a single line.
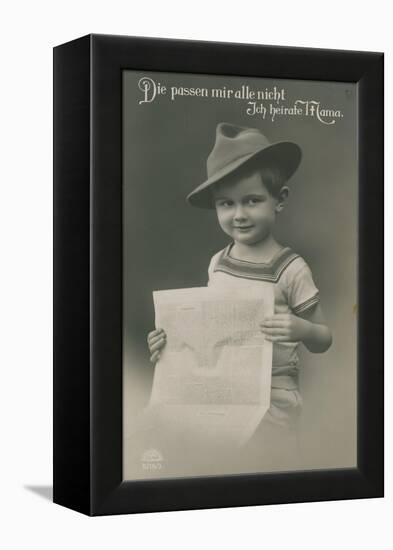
[[245, 209]]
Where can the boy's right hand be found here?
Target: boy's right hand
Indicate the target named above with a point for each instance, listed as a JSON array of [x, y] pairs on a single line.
[[156, 340]]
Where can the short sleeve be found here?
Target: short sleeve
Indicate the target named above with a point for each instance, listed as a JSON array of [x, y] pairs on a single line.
[[212, 265], [210, 272], [302, 292]]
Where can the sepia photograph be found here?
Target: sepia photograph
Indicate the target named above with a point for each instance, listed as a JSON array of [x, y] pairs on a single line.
[[193, 297], [240, 251]]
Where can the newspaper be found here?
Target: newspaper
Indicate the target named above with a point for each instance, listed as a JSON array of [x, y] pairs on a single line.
[[213, 378]]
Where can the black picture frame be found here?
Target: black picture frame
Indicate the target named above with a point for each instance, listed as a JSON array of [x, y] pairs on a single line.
[[88, 274]]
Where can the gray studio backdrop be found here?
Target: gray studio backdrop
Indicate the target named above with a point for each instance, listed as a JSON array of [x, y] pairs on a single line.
[[168, 244]]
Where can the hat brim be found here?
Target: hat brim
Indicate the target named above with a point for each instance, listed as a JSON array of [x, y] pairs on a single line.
[[284, 155]]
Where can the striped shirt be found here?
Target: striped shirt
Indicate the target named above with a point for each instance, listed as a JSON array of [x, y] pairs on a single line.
[[294, 292]]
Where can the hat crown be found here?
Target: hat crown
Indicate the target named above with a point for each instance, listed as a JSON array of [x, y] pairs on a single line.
[[234, 143]]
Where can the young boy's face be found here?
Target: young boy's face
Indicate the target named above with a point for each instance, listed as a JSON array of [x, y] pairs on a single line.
[[246, 210]]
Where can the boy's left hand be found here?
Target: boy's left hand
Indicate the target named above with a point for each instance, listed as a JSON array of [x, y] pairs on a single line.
[[285, 327]]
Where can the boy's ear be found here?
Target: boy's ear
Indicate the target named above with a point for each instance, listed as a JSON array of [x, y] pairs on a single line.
[[282, 197]]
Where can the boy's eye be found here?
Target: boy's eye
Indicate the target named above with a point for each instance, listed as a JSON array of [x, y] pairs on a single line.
[[253, 200], [224, 203]]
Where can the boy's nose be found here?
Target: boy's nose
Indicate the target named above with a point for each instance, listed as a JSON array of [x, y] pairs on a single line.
[[239, 214]]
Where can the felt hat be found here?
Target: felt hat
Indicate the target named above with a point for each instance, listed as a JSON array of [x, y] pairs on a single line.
[[235, 146]]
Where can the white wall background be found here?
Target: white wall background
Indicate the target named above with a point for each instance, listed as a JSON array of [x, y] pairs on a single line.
[[29, 30]]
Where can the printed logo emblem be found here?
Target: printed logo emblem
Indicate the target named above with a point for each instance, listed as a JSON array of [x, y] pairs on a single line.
[[152, 460]]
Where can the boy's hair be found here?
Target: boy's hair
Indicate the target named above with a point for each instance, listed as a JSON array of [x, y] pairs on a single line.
[[271, 177]]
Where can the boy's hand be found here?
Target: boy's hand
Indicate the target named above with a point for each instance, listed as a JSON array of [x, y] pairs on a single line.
[[156, 340], [285, 327]]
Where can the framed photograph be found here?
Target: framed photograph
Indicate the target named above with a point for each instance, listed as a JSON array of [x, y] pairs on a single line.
[[218, 274]]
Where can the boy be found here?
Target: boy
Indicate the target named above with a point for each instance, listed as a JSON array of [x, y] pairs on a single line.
[[245, 185]]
